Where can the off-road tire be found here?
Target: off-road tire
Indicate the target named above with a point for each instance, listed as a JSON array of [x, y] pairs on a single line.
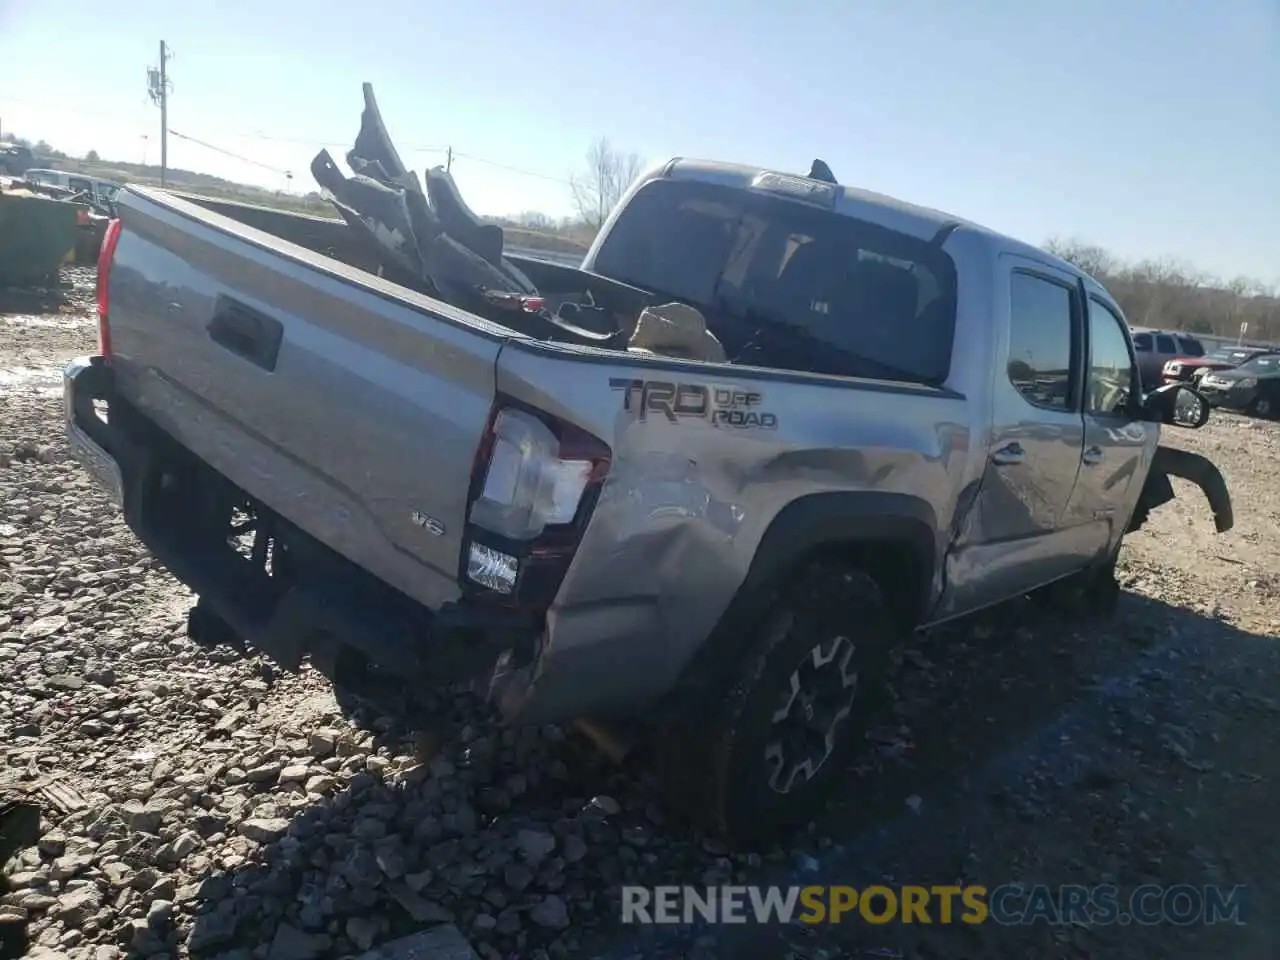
[[1100, 590], [1094, 592], [714, 764], [208, 630]]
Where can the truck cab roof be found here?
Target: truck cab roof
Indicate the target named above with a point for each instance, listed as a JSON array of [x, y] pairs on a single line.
[[890, 212]]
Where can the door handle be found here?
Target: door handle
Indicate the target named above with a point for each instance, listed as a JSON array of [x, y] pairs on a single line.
[[1092, 456], [1009, 455], [246, 333]]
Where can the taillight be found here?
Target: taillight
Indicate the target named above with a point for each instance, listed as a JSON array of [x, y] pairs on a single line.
[[105, 257], [535, 483]]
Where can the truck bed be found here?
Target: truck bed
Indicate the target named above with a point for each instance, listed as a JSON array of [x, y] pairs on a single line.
[[369, 410]]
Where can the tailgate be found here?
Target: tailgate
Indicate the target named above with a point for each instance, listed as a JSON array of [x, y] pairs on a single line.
[[347, 404]]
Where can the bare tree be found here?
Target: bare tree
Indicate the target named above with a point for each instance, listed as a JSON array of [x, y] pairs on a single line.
[[1169, 293], [609, 173], [534, 220], [1093, 260]]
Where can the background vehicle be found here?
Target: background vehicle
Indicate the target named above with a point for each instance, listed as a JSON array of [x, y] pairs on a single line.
[[1254, 386], [1155, 348], [721, 553], [101, 192], [1191, 369], [15, 159]]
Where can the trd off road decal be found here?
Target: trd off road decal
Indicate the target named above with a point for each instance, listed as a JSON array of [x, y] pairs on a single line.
[[730, 407]]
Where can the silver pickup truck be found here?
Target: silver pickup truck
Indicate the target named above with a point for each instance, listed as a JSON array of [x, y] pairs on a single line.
[[915, 418]]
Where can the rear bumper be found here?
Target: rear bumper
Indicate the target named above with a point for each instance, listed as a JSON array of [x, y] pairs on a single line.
[[83, 379], [285, 620]]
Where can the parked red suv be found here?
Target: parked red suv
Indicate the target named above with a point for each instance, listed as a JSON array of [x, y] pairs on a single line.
[[1191, 369]]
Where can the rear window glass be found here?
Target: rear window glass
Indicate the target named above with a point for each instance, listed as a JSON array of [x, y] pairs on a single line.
[[1142, 342], [788, 285], [1190, 347]]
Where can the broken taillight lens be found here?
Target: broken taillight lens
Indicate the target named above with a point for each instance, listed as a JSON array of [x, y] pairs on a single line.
[[534, 486]]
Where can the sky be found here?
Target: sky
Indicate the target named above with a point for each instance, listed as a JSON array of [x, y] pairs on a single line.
[[1148, 127]]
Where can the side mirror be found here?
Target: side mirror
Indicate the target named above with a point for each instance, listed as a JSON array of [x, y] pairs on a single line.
[[1178, 405]]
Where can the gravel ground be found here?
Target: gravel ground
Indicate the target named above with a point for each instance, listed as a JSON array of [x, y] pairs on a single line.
[[204, 804]]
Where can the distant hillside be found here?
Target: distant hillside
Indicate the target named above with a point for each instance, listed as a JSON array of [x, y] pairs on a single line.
[[564, 238]]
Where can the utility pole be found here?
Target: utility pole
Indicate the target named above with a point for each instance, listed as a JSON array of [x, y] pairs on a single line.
[[158, 87], [164, 119], [448, 160]]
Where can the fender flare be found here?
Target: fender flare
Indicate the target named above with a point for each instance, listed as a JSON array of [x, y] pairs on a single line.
[[819, 520], [804, 526]]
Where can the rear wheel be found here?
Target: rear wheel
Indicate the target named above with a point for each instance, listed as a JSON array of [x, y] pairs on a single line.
[[779, 732], [1263, 407]]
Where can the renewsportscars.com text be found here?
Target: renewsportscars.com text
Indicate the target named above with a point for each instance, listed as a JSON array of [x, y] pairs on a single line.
[[1006, 905]]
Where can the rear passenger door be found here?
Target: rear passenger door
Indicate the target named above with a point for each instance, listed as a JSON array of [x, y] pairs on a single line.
[[1027, 535]]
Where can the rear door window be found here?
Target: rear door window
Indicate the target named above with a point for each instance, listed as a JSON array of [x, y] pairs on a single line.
[[1040, 326], [1164, 344], [787, 285]]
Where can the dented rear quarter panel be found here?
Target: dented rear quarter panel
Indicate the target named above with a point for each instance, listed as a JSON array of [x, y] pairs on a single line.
[[688, 500]]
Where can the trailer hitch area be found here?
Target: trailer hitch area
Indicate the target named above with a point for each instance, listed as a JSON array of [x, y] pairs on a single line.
[[1169, 462]]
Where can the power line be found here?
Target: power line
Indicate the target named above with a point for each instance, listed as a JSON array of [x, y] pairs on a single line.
[[504, 166], [342, 144], [449, 152], [407, 148], [321, 142], [228, 153]]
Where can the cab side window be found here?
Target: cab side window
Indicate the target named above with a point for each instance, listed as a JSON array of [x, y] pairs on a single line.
[[1040, 338], [1142, 342], [1164, 343], [1111, 369]]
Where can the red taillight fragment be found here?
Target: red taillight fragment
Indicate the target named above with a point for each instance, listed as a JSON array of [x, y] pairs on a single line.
[[105, 258]]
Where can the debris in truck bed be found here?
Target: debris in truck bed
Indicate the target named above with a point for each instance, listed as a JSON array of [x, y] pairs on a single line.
[[434, 241], [429, 240], [676, 329]]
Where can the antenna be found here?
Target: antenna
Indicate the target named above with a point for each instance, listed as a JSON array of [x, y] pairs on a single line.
[[820, 171]]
